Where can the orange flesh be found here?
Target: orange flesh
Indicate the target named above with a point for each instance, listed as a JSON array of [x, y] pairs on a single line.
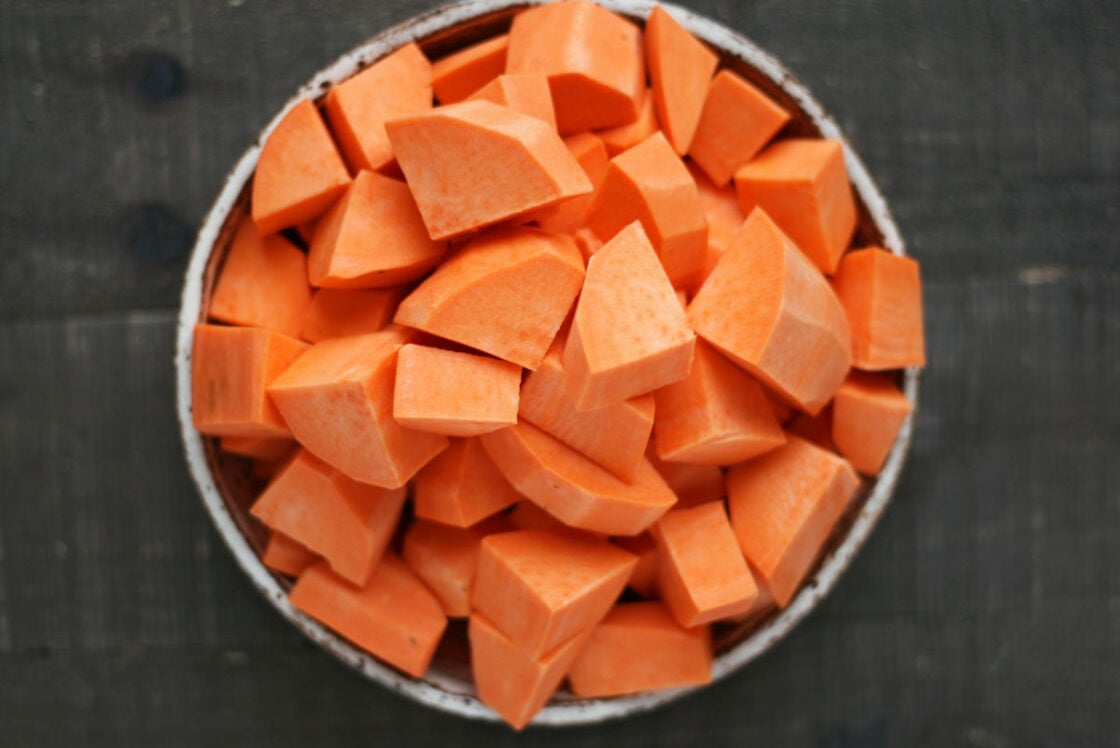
[[462, 486], [346, 522], [541, 587], [639, 647], [299, 172], [783, 508], [770, 311], [393, 616], [680, 67]]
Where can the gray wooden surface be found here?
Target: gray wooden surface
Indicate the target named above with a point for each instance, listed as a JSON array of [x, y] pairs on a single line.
[[985, 611]]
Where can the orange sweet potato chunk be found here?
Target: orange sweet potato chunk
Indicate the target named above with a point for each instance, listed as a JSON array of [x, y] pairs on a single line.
[[784, 506], [393, 616], [476, 163], [718, 415], [639, 647], [231, 368], [724, 216], [462, 486], [458, 75], [299, 173], [372, 238], [592, 57], [569, 216], [614, 436], [680, 66], [868, 413], [338, 401], [399, 83], [770, 311], [629, 335], [648, 183], [574, 489], [286, 556], [445, 558], [338, 313], [523, 92], [505, 293], [803, 185], [624, 137], [736, 122], [882, 296], [346, 522], [263, 283], [511, 681], [454, 393], [542, 587], [693, 484], [701, 572]]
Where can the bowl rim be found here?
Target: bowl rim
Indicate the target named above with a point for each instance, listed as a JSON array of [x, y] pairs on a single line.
[[433, 690]]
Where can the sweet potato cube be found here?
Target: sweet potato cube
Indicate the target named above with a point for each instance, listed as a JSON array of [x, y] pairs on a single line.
[[338, 313], [346, 522], [505, 293], [624, 137], [614, 436], [648, 183], [724, 216], [868, 413], [693, 484], [454, 393], [629, 335], [462, 486], [299, 172], [718, 415], [445, 558], [399, 83], [569, 216], [523, 92], [286, 556], [770, 311], [263, 283], [231, 369], [640, 647], [702, 574], [476, 163], [784, 506], [680, 66], [736, 122], [803, 185], [458, 75], [393, 616], [542, 587], [372, 238], [512, 682], [338, 401], [592, 57], [882, 296], [572, 488]]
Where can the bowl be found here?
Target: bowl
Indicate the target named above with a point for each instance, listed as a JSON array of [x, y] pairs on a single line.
[[227, 488]]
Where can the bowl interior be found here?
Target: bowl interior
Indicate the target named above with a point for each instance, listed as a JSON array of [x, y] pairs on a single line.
[[228, 487]]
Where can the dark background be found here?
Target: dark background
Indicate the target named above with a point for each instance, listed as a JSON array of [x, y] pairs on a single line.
[[984, 611]]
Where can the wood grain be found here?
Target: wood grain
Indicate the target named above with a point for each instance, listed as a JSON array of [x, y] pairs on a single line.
[[984, 611]]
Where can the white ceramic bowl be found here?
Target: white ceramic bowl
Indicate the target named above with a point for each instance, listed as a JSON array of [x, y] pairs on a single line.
[[226, 489]]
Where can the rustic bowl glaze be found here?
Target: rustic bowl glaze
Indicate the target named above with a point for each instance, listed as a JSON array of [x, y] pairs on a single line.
[[227, 488]]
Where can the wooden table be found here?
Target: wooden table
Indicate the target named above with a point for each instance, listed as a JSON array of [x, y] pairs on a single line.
[[985, 610]]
